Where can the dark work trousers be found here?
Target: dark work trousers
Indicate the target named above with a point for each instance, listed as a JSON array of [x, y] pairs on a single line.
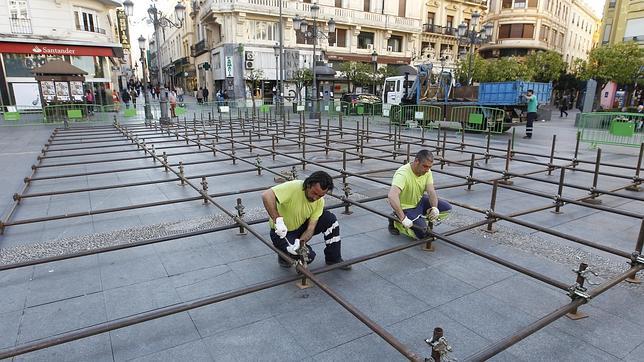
[[421, 209], [330, 229], [532, 116]]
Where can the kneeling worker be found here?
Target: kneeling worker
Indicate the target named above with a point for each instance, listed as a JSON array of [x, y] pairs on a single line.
[[296, 210], [406, 197]]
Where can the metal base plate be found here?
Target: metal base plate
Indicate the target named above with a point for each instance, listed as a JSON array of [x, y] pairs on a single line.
[[300, 285], [428, 247], [577, 316], [634, 280], [635, 188], [592, 201]]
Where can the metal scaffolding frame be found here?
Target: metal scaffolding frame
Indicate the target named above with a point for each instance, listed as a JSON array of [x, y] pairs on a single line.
[[247, 140]]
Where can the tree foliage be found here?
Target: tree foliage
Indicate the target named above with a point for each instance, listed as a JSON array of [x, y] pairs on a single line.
[[463, 65], [618, 63], [357, 73], [505, 69], [253, 77], [302, 78], [545, 66]]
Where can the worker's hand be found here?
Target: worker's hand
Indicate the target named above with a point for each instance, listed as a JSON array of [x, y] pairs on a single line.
[[407, 223], [280, 227], [433, 214], [292, 248]]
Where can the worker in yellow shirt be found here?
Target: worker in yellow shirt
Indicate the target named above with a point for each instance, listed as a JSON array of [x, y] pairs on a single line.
[[296, 210], [407, 197]]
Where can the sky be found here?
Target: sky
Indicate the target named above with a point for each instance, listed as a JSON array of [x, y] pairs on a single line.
[[596, 5]]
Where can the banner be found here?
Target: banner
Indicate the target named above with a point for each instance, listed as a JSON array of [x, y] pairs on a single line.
[[124, 31]]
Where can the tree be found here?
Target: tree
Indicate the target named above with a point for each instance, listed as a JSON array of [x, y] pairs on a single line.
[[302, 78], [356, 73], [618, 63], [545, 66], [505, 69], [462, 69], [253, 77]]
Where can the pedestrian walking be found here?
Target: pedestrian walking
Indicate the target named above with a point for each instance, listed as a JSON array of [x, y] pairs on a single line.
[[408, 200], [532, 112], [206, 93], [89, 99], [563, 106], [200, 95], [125, 97], [133, 96], [172, 98], [296, 210]]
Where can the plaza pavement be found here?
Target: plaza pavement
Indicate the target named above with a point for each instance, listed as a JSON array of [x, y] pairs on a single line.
[[409, 293]]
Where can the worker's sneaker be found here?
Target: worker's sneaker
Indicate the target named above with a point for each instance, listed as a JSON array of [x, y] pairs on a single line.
[[391, 227], [346, 267], [283, 263]]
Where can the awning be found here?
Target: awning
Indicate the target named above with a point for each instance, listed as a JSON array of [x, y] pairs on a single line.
[[53, 49]]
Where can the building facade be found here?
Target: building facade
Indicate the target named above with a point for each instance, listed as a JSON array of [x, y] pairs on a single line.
[[235, 36], [438, 38], [623, 21], [580, 37], [525, 26], [32, 32]]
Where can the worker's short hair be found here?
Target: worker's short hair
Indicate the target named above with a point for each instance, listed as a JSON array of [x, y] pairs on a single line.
[[530, 90], [424, 155], [319, 177]]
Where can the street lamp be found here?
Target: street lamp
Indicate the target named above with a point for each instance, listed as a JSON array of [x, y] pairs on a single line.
[[374, 62], [160, 20], [301, 25], [277, 51], [471, 37], [144, 68]]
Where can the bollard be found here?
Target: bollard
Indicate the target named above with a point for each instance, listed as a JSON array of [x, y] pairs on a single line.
[[273, 147], [199, 142], [326, 143], [408, 153], [361, 148], [357, 136], [204, 189], [440, 346]]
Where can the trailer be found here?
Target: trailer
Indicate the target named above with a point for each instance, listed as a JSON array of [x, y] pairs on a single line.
[[432, 100]]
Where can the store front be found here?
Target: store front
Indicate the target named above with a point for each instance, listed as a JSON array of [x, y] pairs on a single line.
[[18, 86]]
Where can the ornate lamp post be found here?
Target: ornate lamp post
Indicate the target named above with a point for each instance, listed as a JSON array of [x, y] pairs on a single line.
[[278, 89], [302, 26], [159, 20], [374, 63], [471, 37], [144, 68]]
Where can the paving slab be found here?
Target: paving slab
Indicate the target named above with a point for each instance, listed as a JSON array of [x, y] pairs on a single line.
[[94, 348], [126, 267], [194, 351], [14, 286]]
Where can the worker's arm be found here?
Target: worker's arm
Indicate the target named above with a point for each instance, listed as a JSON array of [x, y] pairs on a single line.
[[394, 201], [270, 204], [308, 233], [431, 192]]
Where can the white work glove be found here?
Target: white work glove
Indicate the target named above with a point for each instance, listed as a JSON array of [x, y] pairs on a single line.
[[407, 223], [292, 248], [433, 214], [280, 227]]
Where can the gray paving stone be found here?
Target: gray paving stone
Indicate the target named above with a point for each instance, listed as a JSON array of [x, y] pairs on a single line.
[[190, 258], [487, 316], [9, 328], [130, 266], [62, 316], [94, 348], [195, 351], [476, 271], [263, 268], [206, 282], [138, 298], [14, 287], [432, 286], [266, 338], [367, 348], [551, 344], [395, 265], [636, 354], [230, 314], [152, 336], [599, 330]]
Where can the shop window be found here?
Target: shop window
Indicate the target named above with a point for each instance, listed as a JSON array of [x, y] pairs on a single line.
[[395, 43], [365, 40]]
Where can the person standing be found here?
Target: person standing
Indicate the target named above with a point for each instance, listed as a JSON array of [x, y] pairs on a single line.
[[563, 106], [125, 97], [206, 93], [531, 98], [133, 96], [408, 200], [89, 99], [296, 210], [172, 98], [200, 95]]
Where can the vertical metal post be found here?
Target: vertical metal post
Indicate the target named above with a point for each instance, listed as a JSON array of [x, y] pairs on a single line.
[[593, 194], [490, 225], [304, 151], [408, 153], [357, 135], [204, 189], [443, 150], [506, 175], [214, 149], [273, 147], [165, 161], [326, 143], [181, 175], [575, 162], [638, 167], [232, 151], [579, 284], [240, 213], [560, 191], [487, 147], [470, 180], [551, 164]]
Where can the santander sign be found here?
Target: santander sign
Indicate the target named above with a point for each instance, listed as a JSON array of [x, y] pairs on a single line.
[[52, 49]]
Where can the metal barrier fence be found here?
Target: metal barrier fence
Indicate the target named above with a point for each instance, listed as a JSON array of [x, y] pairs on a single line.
[[479, 119], [613, 128], [416, 115]]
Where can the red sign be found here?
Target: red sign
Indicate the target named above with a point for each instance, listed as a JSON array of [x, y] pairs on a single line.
[[50, 49]]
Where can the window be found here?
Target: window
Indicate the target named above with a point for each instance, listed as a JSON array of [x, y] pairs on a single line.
[[402, 8], [467, 23], [430, 18], [366, 5], [533, 3], [264, 30], [338, 3], [507, 4], [301, 39], [18, 9], [611, 3], [519, 4], [395, 43], [561, 39], [86, 20], [450, 21], [543, 33], [516, 31], [341, 38], [365, 39]]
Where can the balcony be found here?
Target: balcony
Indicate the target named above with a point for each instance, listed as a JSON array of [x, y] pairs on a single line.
[[20, 26], [198, 49], [291, 8], [436, 29]]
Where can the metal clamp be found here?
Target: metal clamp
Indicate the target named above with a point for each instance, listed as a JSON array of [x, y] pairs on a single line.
[[584, 274], [441, 346], [293, 175], [577, 291]]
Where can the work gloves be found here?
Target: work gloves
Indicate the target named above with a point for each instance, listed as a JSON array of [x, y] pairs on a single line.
[[433, 214], [407, 223], [280, 227], [292, 248]]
